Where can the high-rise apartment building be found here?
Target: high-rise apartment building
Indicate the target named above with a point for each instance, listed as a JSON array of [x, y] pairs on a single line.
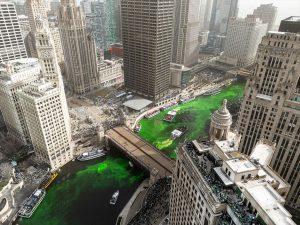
[[267, 13], [78, 48], [147, 28], [15, 75], [11, 41], [217, 185], [188, 20], [47, 123], [222, 11], [242, 40], [270, 108]]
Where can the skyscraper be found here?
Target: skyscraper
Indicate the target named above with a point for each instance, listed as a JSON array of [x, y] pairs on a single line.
[[267, 13], [47, 122], [222, 11], [34, 9], [78, 48], [15, 75], [242, 40], [11, 41], [187, 24], [270, 108], [147, 28]]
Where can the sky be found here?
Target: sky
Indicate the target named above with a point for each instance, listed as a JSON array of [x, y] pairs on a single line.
[[286, 8]]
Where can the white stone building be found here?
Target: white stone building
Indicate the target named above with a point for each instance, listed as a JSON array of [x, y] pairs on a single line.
[[47, 123], [217, 185], [11, 41], [242, 40], [15, 75], [267, 14]]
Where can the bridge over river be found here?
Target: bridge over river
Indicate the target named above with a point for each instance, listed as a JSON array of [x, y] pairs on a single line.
[[140, 151]]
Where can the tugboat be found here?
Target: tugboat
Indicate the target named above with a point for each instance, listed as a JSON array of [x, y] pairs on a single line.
[[114, 198], [93, 154]]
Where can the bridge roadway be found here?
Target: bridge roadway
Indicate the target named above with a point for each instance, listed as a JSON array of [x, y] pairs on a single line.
[[140, 151]]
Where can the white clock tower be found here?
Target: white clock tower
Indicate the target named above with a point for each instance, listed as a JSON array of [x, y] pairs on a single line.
[[46, 52], [49, 65]]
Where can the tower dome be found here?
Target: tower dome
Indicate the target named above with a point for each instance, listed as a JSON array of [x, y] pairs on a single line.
[[221, 121]]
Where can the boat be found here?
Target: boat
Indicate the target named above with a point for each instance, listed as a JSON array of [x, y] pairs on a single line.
[[178, 132], [170, 116], [93, 154], [31, 203], [131, 164], [48, 180], [114, 198], [137, 128]]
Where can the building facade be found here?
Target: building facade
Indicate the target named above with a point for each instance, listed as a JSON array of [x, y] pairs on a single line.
[[267, 13], [270, 108], [147, 29], [78, 48], [47, 123], [111, 72], [15, 75], [11, 42], [242, 40]]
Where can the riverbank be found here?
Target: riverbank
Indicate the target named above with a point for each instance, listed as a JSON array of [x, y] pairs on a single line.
[[81, 194]]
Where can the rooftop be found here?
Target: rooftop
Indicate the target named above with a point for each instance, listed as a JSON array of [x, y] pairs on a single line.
[[39, 88], [241, 165], [293, 18], [137, 103], [258, 190], [270, 203], [14, 70]]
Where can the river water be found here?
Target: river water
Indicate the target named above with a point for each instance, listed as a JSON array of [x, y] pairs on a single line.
[[81, 193]]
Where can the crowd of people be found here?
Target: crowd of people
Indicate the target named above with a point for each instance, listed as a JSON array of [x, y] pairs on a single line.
[[156, 204]]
